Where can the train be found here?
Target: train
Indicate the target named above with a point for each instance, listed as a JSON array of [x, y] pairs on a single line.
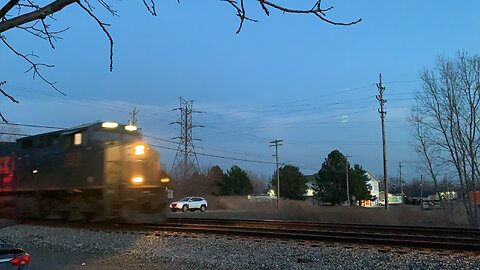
[[100, 171]]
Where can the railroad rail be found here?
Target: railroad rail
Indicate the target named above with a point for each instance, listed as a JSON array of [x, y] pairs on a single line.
[[434, 238]]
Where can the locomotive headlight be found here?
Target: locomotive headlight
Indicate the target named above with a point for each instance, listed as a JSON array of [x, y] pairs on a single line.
[[137, 180], [139, 149], [109, 125], [130, 128], [165, 180]]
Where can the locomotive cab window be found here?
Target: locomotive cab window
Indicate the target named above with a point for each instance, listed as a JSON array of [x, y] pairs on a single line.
[[77, 139]]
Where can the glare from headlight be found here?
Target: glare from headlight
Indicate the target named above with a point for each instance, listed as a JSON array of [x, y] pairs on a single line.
[[137, 180], [130, 128], [165, 180], [139, 149], [109, 125]]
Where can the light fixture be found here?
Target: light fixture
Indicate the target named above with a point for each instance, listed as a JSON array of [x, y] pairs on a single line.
[[139, 149], [109, 125], [130, 128], [137, 180], [165, 180]]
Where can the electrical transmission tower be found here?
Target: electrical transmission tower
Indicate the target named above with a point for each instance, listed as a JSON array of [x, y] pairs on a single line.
[[185, 162]]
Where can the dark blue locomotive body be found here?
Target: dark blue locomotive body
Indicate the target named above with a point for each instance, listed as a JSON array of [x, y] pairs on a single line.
[[101, 170]]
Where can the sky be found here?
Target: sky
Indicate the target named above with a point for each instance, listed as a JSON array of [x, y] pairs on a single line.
[[288, 76]]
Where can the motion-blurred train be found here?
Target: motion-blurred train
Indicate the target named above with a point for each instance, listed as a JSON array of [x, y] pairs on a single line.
[[97, 171]]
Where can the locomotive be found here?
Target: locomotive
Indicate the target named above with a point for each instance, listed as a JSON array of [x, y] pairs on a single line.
[[97, 171]]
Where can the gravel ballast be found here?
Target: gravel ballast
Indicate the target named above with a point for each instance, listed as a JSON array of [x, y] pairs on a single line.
[[183, 251]]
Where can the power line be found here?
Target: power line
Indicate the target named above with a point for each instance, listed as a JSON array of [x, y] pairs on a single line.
[[32, 125], [14, 134], [218, 156]]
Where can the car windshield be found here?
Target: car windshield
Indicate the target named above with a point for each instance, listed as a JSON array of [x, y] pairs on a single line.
[[185, 199]]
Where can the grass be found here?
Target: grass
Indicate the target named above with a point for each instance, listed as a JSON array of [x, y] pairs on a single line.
[[241, 207]]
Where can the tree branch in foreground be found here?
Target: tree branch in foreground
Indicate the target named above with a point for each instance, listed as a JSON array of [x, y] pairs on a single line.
[[9, 97]]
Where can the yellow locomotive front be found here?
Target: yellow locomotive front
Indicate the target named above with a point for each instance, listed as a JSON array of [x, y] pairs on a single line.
[[134, 180]]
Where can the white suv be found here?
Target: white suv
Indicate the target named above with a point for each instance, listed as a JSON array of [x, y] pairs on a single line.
[[189, 203]]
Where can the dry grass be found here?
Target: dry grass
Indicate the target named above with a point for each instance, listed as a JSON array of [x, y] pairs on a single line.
[[299, 210]]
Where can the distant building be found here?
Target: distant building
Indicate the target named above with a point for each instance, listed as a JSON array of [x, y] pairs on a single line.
[[373, 184], [310, 184]]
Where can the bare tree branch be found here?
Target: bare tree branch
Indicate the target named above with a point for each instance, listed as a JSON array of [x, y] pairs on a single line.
[[316, 10], [9, 97], [34, 67], [102, 25], [8, 6], [41, 13], [32, 18], [5, 94], [151, 8]]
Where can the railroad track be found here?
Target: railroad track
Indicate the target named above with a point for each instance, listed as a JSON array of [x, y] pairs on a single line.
[[434, 238]]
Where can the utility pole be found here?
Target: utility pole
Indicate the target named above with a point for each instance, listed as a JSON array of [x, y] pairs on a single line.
[[185, 162], [401, 180], [346, 175], [421, 187], [133, 120], [382, 117], [276, 143]]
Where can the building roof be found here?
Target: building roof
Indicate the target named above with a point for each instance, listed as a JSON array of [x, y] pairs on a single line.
[[371, 177]]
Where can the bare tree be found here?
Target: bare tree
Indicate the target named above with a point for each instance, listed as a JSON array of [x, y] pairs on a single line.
[[259, 183], [35, 17], [446, 124]]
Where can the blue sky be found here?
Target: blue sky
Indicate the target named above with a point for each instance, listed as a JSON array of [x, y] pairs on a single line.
[[291, 77]]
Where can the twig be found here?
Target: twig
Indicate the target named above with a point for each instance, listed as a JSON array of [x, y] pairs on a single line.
[[33, 66], [151, 8], [7, 95], [102, 25]]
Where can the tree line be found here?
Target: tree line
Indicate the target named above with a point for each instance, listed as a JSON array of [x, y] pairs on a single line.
[[329, 185]]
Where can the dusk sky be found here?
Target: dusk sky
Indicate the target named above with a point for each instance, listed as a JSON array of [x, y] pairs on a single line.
[[290, 77]]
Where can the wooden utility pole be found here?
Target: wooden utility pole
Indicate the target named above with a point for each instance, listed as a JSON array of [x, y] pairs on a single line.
[[382, 117], [133, 120], [346, 175], [276, 143], [401, 180]]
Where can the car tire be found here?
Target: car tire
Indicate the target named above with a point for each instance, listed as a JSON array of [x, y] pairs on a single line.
[[185, 208], [203, 208]]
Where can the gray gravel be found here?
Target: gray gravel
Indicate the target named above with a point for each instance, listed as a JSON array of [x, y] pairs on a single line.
[[180, 251]]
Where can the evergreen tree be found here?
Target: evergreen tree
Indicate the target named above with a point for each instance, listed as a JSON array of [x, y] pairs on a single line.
[[331, 184], [235, 182], [292, 183]]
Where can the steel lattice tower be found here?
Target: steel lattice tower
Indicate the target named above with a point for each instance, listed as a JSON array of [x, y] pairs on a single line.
[[185, 162]]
